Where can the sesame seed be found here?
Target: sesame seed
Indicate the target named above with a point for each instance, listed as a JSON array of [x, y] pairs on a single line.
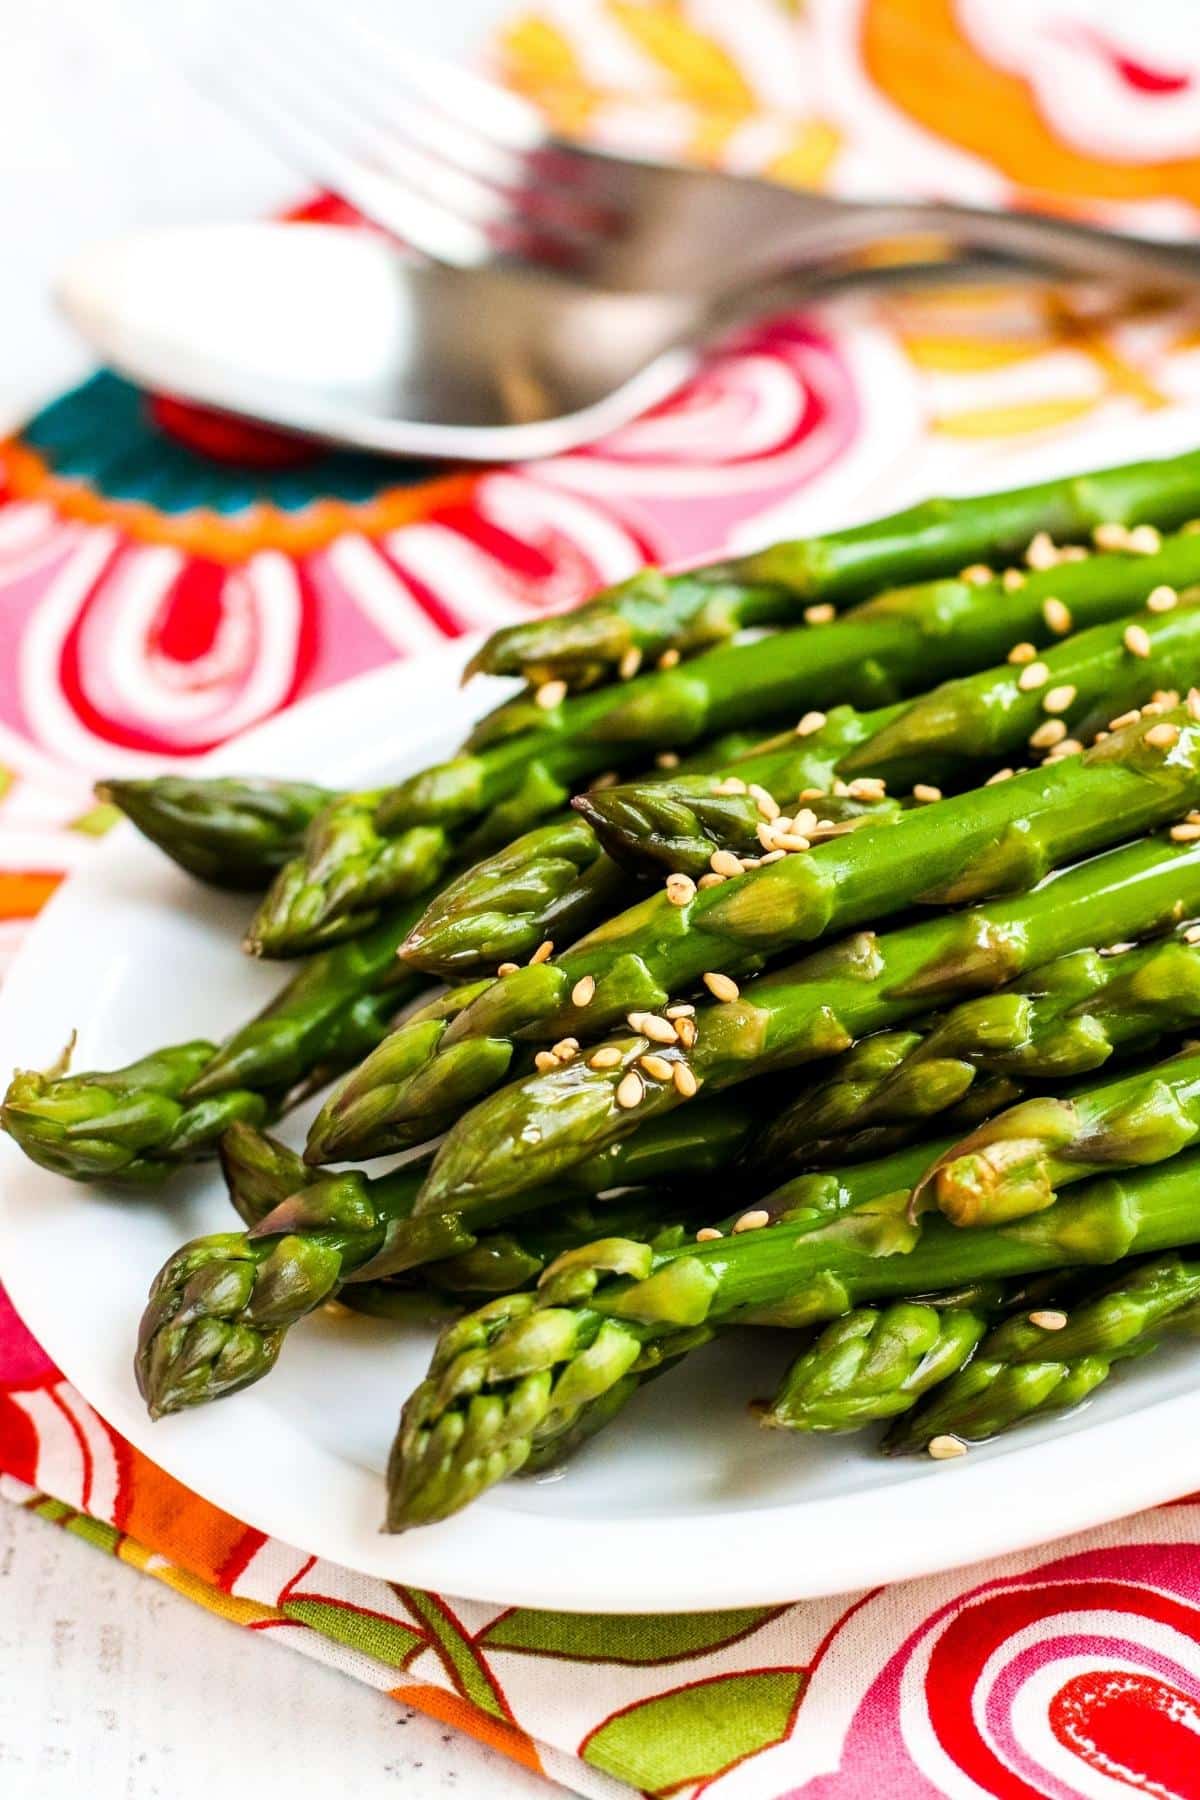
[[667, 759], [1041, 552], [630, 663], [1072, 553], [543, 953], [669, 659], [1185, 833], [772, 856], [687, 1032], [1193, 703], [753, 1221], [724, 862], [840, 788], [710, 880], [1192, 935], [1111, 536], [721, 987], [1123, 719], [1144, 540], [1069, 746], [1000, 775], [682, 1009], [812, 721], [1048, 1321], [732, 784], [926, 793], [681, 889], [551, 694], [1162, 599], [1012, 579], [634, 1020], [657, 1067], [544, 1061], [805, 821], [819, 793], [976, 574], [608, 779], [584, 991], [1022, 653], [685, 1080], [508, 968], [1137, 640], [1058, 699], [868, 787], [1033, 675], [1163, 736], [1051, 732], [766, 803], [943, 1447], [765, 834], [607, 1057], [659, 1031], [821, 614], [630, 1090], [707, 1233], [791, 840], [1057, 616]]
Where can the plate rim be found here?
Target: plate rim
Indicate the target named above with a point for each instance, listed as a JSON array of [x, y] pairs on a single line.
[[1069, 1482]]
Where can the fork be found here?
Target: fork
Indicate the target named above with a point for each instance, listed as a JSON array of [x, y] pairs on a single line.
[[545, 292], [466, 173]]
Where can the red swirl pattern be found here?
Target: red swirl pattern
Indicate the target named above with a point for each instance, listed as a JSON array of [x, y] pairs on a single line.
[[1078, 1674]]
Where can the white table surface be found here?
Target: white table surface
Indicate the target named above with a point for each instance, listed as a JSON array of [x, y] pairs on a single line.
[[111, 1686]]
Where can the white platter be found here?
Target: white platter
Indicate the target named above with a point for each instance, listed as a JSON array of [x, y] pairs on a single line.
[[681, 1505]]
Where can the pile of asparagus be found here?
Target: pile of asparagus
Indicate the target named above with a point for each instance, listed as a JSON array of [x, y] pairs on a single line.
[[878, 915]]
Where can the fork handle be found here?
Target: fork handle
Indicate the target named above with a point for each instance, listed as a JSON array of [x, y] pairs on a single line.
[[825, 228], [1074, 246]]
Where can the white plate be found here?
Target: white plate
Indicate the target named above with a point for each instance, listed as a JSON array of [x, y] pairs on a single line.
[[682, 1505]]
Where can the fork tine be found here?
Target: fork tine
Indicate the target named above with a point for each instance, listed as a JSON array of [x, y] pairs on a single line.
[[467, 146], [253, 82], [523, 216], [483, 107]]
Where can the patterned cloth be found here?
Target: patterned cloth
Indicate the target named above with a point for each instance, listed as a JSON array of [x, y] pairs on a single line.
[[168, 578]]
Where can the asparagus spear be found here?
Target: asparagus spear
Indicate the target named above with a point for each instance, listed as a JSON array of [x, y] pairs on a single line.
[[131, 1124], [344, 874], [138, 1123], [992, 840], [1016, 1163], [1031, 1365], [1060, 1021], [554, 882], [523, 762], [652, 612], [221, 1306], [514, 1376], [234, 831], [874, 1363], [943, 736], [524, 1135]]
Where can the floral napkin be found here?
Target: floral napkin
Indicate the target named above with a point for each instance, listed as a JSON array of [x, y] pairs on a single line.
[[168, 578]]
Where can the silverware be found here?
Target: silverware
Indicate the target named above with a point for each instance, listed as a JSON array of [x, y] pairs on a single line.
[[549, 291], [468, 174], [339, 335]]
